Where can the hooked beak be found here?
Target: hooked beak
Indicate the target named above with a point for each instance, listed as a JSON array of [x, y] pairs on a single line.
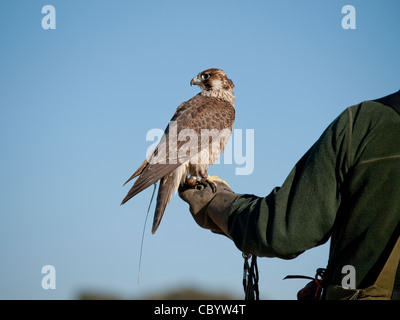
[[195, 81]]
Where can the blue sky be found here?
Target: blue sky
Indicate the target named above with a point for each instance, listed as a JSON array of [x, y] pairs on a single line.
[[76, 104]]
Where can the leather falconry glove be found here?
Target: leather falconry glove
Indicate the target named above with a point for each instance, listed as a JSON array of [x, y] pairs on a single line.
[[210, 209]]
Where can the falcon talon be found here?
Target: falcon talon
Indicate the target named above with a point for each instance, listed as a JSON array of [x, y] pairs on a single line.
[[212, 181], [200, 186], [213, 186]]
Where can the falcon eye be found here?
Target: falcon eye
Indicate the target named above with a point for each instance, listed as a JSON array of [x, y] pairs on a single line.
[[205, 76]]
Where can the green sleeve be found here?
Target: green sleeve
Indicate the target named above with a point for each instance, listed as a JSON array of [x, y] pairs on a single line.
[[300, 214]]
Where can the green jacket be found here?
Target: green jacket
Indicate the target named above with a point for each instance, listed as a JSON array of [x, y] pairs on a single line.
[[347, 184]]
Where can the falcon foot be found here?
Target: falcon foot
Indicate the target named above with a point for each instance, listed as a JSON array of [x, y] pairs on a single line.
[[197, 182], [212, 182], [200, 183]]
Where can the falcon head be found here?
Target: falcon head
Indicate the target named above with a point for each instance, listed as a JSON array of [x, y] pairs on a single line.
[[213, 79]]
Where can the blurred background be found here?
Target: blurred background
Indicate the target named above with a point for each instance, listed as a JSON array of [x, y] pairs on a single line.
[[77, 102]]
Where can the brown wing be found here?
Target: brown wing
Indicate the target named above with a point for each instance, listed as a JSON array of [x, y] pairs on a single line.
[[178, 111], [198, 113]]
